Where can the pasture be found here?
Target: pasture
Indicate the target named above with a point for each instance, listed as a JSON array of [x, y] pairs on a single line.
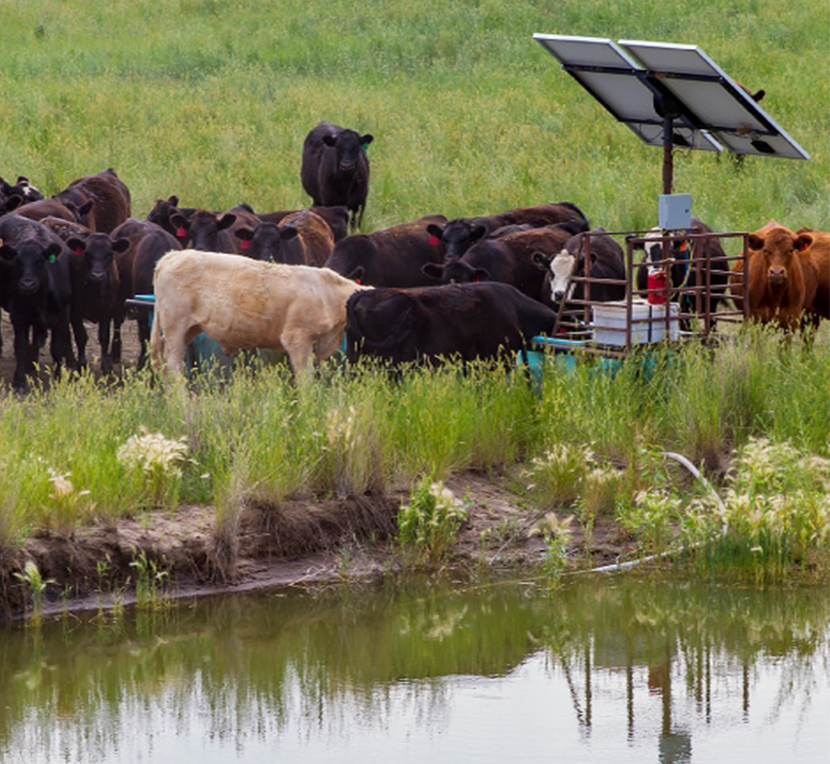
[[211, 100]]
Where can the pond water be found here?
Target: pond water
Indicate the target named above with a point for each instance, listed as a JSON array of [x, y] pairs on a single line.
[[608, 669]]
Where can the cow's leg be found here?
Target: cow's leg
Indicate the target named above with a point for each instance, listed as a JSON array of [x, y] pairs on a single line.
[[61, 346], [104, 341], [24, 356], [81, 337], [299, 350], [143, 321]]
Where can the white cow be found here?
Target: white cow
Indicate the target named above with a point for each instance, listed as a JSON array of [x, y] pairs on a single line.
[[243, 303]]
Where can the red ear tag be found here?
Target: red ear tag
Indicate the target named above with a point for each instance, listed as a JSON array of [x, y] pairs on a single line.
[[181, 233], [79, 251], [804, 248], [434, 241], [476, 281], [246, 244], [357, 281]]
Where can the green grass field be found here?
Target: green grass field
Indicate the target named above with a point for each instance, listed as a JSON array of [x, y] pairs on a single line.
[[211, 101]]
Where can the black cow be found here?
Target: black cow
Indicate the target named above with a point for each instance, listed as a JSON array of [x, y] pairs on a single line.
[[109, 195], [684, 273], [35, 288], [508, 260], [206, 231], [466, 321], [301, 238], [21, 188], [148, 244], [392, 257], [95, 290], [606, 262], [460, 234], [335, 168]]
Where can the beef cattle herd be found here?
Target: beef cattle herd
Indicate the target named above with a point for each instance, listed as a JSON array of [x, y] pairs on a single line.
[[299, 280]]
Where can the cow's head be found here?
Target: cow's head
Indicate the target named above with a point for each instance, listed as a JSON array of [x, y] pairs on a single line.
[[348, 144], [201, 231], [559, 269], [266, 242], [28, 262], [457, 236], [97, 255], [778, 248], [21, 188]]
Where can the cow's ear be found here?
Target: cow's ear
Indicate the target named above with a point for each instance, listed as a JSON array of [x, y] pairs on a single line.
[[435, 230], [755, 242], [289, 232], [173, 200], [13, 202], [479, 232], [365, 140], [76, 244], [356, 274], [541, 260], [433, 270], [638, 245], [120, 245], [5, 187], [803, 242], [226, 221], [8, 252], [180, 221], [85, 208], [244, 234], [329, 140], [53, 251]]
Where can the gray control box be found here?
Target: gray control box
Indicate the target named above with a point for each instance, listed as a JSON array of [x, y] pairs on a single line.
[[674, 212]]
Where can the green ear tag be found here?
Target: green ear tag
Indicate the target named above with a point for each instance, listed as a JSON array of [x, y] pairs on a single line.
[[364, 146], [52, 258]]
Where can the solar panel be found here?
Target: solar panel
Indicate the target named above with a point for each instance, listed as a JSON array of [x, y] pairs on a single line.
[[643, 83]]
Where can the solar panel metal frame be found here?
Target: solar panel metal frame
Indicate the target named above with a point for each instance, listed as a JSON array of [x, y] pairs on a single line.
[[601, 66]]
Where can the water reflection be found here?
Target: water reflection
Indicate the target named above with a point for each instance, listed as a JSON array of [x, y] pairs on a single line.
[[614, 667]]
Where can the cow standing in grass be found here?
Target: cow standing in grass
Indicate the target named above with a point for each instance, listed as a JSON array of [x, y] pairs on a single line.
[[335, 168], [242, 303], [781, 281]]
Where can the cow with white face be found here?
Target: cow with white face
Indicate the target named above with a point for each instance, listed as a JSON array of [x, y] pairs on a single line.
[[605, 264], [242, 303]]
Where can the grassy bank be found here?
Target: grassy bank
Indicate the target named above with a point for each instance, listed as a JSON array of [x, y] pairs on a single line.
[[751, 414]]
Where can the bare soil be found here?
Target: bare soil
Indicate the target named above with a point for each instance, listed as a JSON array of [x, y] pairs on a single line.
[[300, 540]]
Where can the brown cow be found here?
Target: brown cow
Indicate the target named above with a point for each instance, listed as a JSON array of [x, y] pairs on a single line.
[[781, 281], [109, 195], [819, 253]]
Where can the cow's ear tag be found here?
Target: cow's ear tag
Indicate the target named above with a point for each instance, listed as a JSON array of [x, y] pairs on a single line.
[[52, 258], [180, 233], [246, 244], [79, 251], [434, 241], [357, 281], [803, 247], [364, 146]]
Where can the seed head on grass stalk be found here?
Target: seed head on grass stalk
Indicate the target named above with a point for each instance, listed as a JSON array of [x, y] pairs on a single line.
[[429, 523]]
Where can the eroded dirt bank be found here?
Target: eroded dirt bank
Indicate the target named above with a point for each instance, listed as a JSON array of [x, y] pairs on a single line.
[[300, 541]]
